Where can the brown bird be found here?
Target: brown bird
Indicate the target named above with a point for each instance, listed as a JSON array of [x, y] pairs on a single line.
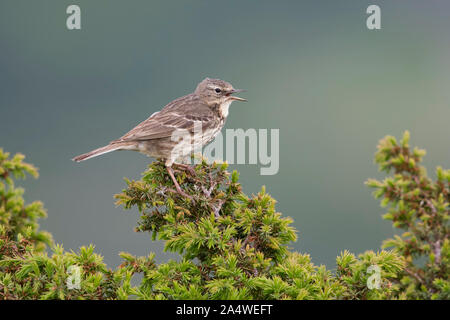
[[173, 132]]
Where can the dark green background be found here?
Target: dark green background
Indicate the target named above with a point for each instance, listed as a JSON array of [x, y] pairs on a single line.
[[311, 68]]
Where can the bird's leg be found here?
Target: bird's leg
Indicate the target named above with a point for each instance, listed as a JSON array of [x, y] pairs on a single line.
[[177, 186]]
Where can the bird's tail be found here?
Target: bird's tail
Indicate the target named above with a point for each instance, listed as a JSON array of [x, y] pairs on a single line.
[[97, 152]]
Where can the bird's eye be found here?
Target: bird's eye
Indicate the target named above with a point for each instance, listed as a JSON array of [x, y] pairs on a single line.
[[218, 90]]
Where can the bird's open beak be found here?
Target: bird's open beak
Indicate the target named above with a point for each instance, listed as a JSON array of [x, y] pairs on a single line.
[[237, 98]]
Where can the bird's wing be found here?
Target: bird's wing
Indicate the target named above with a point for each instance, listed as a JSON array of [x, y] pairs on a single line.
[[163, 124]]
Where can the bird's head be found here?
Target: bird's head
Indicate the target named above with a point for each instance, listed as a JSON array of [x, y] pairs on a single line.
[[216, 91]]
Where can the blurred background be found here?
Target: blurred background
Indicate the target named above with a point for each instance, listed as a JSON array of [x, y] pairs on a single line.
[[312, 69]]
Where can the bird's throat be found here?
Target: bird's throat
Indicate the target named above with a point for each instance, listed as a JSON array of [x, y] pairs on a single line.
[[223, 109]]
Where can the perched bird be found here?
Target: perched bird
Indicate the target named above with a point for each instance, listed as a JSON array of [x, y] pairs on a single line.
[[173, 132]]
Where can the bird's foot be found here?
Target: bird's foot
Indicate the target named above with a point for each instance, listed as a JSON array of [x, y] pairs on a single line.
[[177, 185], [182, 193], [188, 168]]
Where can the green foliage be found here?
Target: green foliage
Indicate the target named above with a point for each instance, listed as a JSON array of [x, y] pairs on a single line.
[[25, 274], [233, 246], [15, 217], [420, 207], [355, 274], [26, 270]]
